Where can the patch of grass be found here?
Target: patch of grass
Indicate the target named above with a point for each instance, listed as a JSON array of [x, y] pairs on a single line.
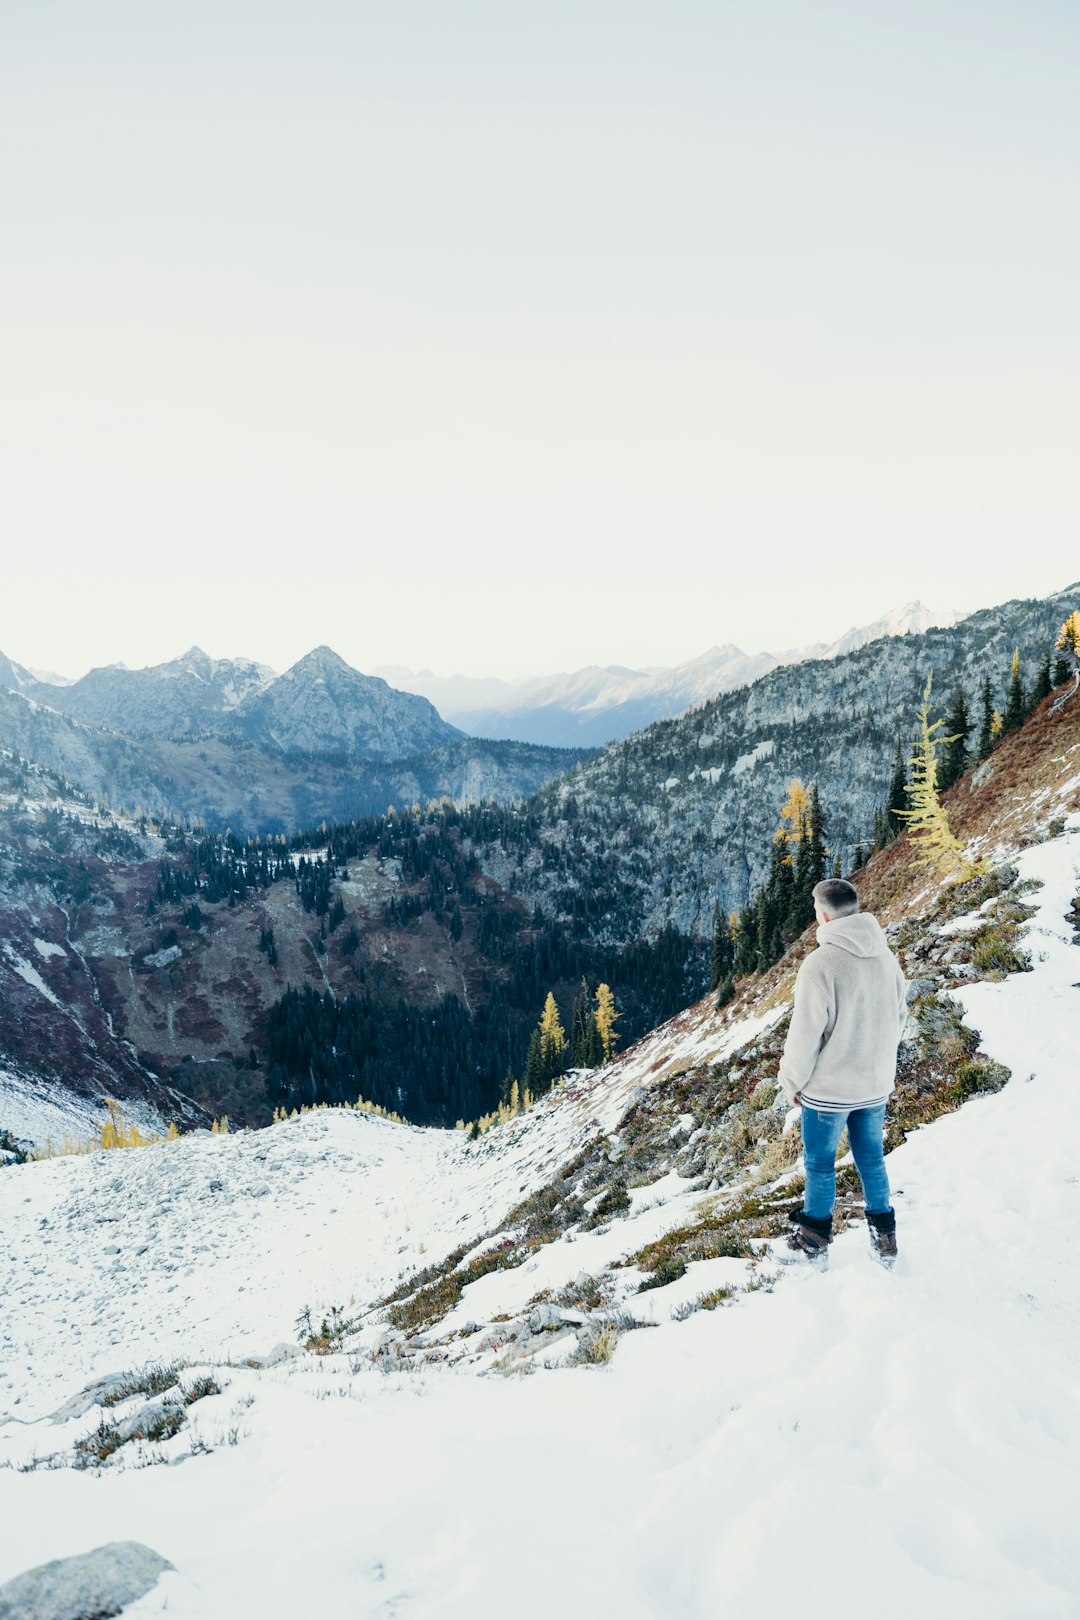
[[597, 1347], [667, 1269], [162, 1425], [431, 1303], [708, 1240], [705, 1302], [980, 1074], [153, 1379], [330, 1334], [995, 952], [586, 1294], [957, 899], [616, 1201], [426, 1297], [938, 1072], [97, 1447], [201, 1388]]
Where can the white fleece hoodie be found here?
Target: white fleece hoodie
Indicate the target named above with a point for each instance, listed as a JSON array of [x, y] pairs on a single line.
[[850, 1015]]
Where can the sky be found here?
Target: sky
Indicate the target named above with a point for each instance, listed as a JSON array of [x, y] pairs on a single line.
[[501, 339]]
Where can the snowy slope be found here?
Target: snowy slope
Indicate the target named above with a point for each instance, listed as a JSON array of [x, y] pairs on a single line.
[[906, 1439]]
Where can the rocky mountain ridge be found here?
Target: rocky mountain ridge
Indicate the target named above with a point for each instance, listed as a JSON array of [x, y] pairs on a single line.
[[655, 830], [242, 775], [320, 705]]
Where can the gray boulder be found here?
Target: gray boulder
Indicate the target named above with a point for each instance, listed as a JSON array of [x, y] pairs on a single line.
[[91, 1586], [274, 1358], [547, 1318], [95, 1394]]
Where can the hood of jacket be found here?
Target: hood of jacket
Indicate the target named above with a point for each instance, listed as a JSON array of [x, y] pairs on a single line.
[[861, 935]]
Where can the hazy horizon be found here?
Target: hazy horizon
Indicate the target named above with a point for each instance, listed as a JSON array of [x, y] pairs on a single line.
[[385, 670]]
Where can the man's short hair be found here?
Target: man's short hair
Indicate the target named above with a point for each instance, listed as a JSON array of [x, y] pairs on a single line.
[[837, 896]]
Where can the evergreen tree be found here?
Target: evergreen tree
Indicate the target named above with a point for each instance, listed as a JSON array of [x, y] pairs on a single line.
[[547, 1050], [880, 835], [897, 801], [536, 1076], [1015, 708], [801, 908], [723, 949], [1043, 685], [586, 1049], [986, 730], [819, 855], [954, 758], [746, 937], [725, 990]]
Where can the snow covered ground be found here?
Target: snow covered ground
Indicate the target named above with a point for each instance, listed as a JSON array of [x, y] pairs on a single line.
[[903, 1442]]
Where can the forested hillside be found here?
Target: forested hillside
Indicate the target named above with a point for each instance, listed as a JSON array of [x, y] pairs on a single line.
[[372, 958]]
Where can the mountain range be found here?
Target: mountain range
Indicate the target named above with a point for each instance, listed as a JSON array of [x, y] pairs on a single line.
[[229, 743], [324, 708], [596, 705], [321, 705]]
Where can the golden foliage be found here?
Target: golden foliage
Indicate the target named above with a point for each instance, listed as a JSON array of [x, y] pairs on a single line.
[[1068, 639], [360, 1106], [605, 1020], [115, 1132], [794, 816], [551, 1031], [927, 821]]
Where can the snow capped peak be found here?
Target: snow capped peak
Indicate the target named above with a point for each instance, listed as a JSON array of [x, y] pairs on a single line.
[[16, 677], [910, 620]]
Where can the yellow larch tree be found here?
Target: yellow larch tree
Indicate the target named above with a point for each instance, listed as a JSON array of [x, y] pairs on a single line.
[[1068, 640], [552, 1034], [927, 820], [794, 818], [605, 1020]]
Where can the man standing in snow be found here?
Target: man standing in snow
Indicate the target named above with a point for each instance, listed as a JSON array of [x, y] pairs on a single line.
[[839, 1066]]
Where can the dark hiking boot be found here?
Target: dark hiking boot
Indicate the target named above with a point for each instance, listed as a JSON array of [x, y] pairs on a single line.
[[883, 1236], [807, 1243]]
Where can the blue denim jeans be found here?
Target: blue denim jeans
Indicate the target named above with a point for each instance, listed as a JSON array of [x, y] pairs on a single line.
[[821, 1132]]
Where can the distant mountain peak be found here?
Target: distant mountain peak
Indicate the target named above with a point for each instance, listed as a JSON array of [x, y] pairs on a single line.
[[322, 658]]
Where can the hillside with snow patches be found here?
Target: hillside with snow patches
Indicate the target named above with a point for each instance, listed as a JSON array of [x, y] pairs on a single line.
[[556, 1368]]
